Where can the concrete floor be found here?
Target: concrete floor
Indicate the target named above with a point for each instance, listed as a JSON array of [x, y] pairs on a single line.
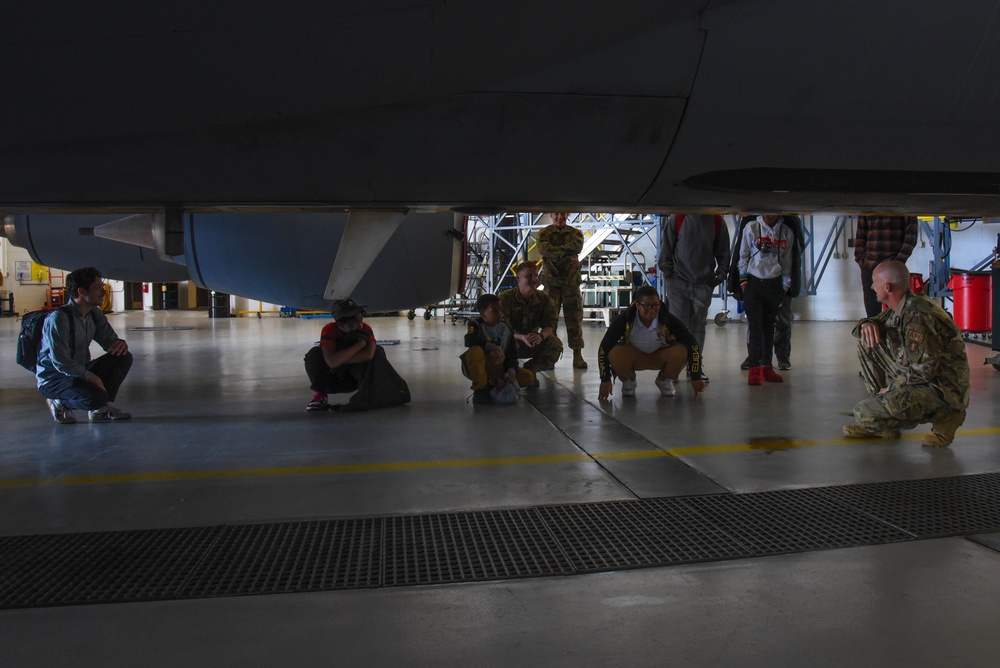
[[220, 435]]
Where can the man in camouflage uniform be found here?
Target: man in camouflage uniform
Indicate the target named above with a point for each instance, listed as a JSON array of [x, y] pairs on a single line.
[[914, 364], [561, 246], [532, 315]]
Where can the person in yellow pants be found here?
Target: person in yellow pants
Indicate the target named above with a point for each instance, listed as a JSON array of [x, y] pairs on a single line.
[[491, 353]]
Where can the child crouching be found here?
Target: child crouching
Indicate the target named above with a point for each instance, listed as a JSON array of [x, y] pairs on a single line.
[[492, 354]]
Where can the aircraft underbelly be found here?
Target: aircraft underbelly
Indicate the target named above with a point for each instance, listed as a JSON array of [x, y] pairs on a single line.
[[486, 147]]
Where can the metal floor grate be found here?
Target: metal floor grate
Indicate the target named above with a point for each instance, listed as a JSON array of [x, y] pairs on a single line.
[[105, 567], [792, 521], [288, 557], [633, 534], [165, 564], [464, 547], [928, 508]]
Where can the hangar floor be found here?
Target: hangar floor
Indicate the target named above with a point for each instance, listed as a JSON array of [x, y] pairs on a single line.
[[221, 438]]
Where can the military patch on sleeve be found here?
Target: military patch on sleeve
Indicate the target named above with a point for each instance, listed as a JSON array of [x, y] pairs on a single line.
[[471, 330], [914, 335]]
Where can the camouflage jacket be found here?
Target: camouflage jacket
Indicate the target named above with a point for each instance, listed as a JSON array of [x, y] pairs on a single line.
[[560, 247], [927, 347], [528, 315]]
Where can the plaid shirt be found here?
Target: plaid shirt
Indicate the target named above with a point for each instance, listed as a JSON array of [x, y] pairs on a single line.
[[881, 238]]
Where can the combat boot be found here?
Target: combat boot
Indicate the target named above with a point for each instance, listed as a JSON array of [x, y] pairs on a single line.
[[526, 378], [858, 431], [944, 424], [578, 361]]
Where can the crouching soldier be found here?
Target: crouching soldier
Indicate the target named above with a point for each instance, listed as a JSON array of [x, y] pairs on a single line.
[[914, 364], [532, 315]]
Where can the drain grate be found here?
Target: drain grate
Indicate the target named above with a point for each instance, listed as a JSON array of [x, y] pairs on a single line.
[[105, 567], [792, 521], [289, 557], [464, 547], [108, 567], [631, 534], [928, 508]]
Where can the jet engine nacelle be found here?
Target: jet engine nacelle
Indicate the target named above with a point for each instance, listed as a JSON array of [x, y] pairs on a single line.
[[287, 258], [280, 258], [67, 241]]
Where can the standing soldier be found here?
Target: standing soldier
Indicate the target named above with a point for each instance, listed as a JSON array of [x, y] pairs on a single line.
[[914, 364], [561, 246]]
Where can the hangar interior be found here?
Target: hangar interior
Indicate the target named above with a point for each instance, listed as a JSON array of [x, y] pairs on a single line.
[[225, 524]]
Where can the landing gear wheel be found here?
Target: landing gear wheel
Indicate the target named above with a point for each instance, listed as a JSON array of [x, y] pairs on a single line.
[[427, 315], [411, 314]]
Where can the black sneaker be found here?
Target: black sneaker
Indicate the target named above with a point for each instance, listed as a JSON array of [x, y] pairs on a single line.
[[746, 364], [703, 376], [482, 397], [784, 364]]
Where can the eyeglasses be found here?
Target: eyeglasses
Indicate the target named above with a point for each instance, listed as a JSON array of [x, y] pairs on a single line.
[[649, 307]]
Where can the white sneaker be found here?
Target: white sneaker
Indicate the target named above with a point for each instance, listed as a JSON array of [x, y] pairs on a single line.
[[109, 413], [666, 386], [60, 413], [628, 388]]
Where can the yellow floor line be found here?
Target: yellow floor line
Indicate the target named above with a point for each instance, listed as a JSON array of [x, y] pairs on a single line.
[[167, 476]]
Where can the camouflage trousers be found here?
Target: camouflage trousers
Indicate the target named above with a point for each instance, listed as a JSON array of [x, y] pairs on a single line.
[[568, 297], [543, 356], [902, 408]]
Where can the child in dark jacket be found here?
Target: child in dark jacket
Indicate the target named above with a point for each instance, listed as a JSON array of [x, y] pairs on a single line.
[[492, 352]]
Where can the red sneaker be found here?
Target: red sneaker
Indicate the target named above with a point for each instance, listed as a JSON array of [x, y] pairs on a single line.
[[756, 376], [769, 374]]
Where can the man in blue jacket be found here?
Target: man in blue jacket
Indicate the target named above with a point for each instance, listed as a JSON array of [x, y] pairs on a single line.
[[66, 376]]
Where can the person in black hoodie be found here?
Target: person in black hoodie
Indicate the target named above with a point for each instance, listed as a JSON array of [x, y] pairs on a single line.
[[647, 336]]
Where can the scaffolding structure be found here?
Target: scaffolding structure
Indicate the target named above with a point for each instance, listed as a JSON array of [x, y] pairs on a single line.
[[619, 253]]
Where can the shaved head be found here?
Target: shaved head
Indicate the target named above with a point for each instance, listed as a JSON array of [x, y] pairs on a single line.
[[894, 272]]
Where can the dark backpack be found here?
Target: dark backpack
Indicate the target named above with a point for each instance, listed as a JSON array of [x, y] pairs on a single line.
[[29, 341]]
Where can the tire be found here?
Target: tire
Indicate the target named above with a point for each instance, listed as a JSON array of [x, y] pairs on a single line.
[[411, 314], [722, 318], [427, 315]]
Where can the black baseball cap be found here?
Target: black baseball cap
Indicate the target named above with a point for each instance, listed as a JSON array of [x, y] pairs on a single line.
[[346, 308]]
